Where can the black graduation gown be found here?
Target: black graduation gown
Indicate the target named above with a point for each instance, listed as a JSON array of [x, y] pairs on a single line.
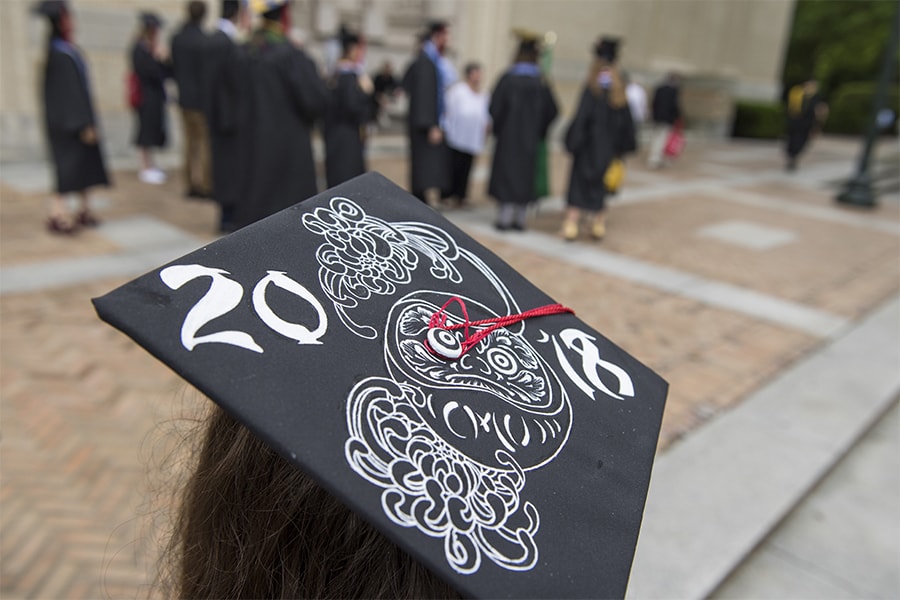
[[598, 134], [284, 97], [665, 104], [222, 108], [349, 109], [801, 125], [188, 54], [429, 163], [151, 114], [522, 108], [68, 109]]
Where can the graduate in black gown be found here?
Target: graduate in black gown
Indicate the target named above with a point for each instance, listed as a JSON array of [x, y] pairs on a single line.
[[424, 86], [522, 108], [152, 67], [71, 123], [284, 98], [223, 106], [188, 69], [601, 131], [349, 110], [806, 111]]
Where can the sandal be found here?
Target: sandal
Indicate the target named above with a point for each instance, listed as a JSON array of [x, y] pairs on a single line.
[[570, 231], [87, 219], [59, 226], [598, 231]]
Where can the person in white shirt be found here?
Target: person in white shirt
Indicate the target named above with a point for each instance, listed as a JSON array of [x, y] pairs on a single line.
[[637, 100], [466, 123]]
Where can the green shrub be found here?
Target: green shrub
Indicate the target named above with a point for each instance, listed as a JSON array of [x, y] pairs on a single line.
[[850, 108], [761, 120]]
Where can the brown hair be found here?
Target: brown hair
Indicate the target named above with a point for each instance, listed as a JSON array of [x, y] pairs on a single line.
[[616, 93], [252, 525]]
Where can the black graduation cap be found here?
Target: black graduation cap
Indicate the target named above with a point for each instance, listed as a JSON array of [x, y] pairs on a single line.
[[607, 48], [436, 27], [150, 20], [261, 7], [529, 41], [333, 330], [52, 9], [348, 39]]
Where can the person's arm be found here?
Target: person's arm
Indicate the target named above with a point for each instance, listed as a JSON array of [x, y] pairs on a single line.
[[65, 96], [577, 132], [499, 106], [625, 141], [422, 86], [149, 68], [354, 102], [308, 89], [550, 109]]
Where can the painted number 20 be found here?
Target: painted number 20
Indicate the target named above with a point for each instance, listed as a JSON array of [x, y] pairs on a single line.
[[224, 295]]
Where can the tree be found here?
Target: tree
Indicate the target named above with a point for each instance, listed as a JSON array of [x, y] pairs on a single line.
[[838, 41]]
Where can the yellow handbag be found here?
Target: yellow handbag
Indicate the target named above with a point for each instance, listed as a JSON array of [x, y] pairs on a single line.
[[615, 174]]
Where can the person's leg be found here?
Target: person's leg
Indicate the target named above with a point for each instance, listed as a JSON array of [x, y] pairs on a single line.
[[658, 146], [197, 154], [520, 217], [598, 225], [432, 197], [149, 173], [570, 223], [505, 214], [187, 126], [146, 158], [465, 169], [226, 219], [455, 173], [85, 216], [204, 159], [59, 220]]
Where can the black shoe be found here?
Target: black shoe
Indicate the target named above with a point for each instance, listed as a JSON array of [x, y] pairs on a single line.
[[518, 227], [502, 226], [197, 194]]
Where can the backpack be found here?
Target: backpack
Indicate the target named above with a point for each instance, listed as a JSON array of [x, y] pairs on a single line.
[[133, 90]]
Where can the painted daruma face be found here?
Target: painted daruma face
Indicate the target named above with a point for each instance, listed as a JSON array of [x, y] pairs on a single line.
[[498, 396]]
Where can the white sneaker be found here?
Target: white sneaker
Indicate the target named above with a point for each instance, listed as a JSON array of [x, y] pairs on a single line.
[[153, 176]]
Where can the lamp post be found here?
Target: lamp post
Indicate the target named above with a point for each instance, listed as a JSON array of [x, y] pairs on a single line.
[[858, 190]]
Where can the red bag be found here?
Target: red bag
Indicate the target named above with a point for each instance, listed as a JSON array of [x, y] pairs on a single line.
[[675, 142], [133, 88]]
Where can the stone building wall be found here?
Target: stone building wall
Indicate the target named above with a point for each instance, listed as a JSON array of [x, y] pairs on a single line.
[[723, 48]]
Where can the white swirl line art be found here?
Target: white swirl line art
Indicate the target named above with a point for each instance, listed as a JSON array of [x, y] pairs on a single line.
[[447, 442], [429, 485], [364, 256]]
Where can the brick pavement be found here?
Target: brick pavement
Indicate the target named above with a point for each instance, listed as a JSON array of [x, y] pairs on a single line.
[[91, 423]]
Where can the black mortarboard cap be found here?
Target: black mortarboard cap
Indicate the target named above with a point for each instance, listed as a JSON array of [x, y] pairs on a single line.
[[529, 41], [349, 38], [261, 7], [150, 19], [518, 470], [607, 48], [51, 9]]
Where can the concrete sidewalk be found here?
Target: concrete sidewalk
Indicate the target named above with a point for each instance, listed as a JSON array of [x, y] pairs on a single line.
[[772, 311]]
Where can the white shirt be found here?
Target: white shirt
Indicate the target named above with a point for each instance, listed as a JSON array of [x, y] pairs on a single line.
[[466, 118], [637, 102], [228, 28]]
